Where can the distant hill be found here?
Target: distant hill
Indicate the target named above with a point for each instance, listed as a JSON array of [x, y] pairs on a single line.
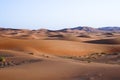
[[90, 29], [86, 28], [82, 28], [113, 29]]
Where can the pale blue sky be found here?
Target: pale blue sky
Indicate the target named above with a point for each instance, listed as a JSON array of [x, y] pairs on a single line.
[[58, 14]]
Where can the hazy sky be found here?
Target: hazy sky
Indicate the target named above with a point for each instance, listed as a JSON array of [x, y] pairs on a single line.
[[57, 14]]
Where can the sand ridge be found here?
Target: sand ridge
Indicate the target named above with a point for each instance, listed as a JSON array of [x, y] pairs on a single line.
[[53, 67]]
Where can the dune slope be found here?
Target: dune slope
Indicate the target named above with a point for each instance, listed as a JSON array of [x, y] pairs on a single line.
[[56, 47], [61, 70]]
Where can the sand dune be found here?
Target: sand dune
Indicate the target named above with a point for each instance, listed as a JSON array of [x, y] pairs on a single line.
[[55, 47], [55, 68], [80, 53], [61, 70], [67, 37], [106, 41]]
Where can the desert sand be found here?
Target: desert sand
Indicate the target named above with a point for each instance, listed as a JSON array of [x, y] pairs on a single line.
[[57, 69], [58, 57], [51, 67]]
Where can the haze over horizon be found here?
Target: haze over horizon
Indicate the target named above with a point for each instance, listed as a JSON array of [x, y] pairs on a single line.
[[58, 14]]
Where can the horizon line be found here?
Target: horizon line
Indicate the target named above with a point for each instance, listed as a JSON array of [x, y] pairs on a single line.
[[56, 29]]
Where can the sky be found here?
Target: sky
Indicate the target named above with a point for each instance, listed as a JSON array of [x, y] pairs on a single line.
[[58, 14]]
